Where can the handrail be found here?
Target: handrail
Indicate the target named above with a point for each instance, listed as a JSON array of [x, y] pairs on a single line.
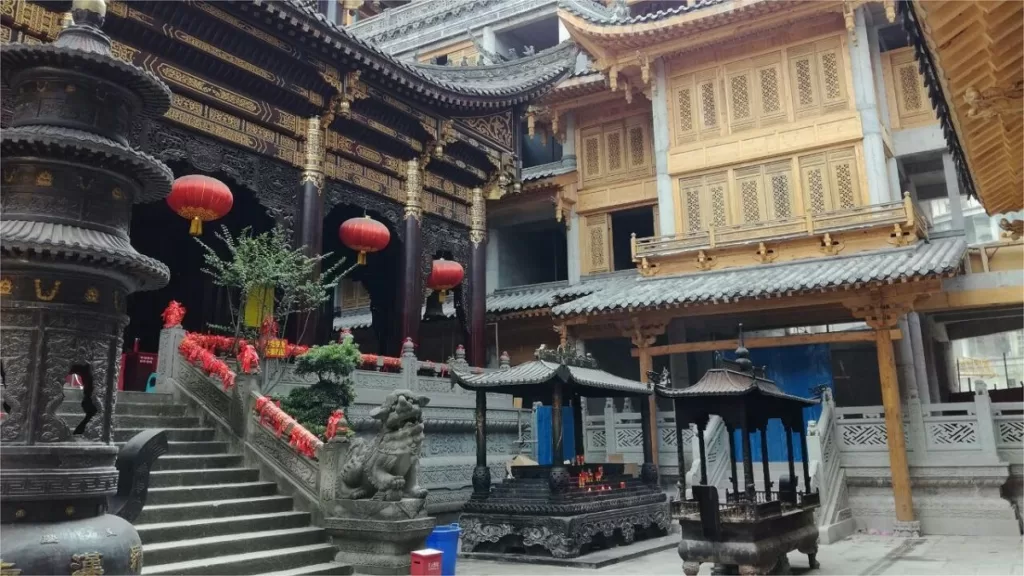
[[903, 212]]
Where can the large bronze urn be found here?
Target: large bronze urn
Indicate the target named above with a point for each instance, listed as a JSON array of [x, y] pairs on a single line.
[[66, 268]]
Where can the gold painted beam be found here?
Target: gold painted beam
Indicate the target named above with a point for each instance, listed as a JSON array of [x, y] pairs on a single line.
[[766, 342]]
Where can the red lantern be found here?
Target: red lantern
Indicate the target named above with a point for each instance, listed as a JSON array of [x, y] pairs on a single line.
[[200, 199], [444, 275], [364, 235]]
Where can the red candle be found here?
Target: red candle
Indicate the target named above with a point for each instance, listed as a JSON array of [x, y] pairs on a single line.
[[622, 484]]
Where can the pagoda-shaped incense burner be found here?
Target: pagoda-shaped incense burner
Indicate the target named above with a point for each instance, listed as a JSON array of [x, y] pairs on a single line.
[[69, 181]]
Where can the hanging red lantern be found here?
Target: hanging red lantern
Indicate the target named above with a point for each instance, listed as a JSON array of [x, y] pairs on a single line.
[[364, 235], [444, 275], [200, 199]]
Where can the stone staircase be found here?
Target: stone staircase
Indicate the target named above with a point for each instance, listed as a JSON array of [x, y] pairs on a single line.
[[206, 513]]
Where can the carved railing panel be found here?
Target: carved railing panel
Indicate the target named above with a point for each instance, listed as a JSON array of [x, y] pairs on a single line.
[[827, 475], [716, 449], [1008, 420]]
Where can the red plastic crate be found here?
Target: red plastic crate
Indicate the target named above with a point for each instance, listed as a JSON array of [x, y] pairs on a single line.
[[426, 562]]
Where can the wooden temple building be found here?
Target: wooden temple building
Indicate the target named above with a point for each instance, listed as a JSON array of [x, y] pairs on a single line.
[[807, 168], [309, 126]]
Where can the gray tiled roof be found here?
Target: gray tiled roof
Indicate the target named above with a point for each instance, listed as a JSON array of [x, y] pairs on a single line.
[[540, 371], [935, 258], [505, 300], [724, 382], [598, 13], [556, 168]]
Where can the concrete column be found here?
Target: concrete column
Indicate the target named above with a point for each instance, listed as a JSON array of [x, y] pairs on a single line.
[[892, 170], [956, 209], [920, 359], [659, 109], [905, 363], [876, 68], [678, 363], [867, 104], [563, 32], [572, 247], [569, 146], [488, 40], [492, 260]]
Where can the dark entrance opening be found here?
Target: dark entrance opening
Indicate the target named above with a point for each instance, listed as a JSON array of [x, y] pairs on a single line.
[[639, 221]]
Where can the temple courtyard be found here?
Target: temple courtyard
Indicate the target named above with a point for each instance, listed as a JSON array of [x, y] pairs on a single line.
[[860, 554]]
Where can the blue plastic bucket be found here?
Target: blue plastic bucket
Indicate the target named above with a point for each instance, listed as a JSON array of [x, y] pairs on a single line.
[[446, 539]]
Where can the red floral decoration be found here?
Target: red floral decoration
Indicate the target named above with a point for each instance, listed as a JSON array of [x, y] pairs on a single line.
[[197, 354], [173, 314], [304, 441], [248, 359], [200, 199], [444, 275], [336, 425], [364, 235]]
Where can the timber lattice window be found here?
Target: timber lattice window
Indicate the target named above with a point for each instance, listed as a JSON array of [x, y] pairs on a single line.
[[908, 101], [621, 148], [818, 76], [829, 181], [704, 200], [353, 294]]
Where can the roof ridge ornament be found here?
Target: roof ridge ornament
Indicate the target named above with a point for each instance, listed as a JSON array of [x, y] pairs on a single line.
[[743, 355], [566, 356]]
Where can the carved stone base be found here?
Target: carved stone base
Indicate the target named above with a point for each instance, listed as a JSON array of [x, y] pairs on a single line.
[[103, 544], [373, 545], [562, 536], [757, 547], [909, 529]]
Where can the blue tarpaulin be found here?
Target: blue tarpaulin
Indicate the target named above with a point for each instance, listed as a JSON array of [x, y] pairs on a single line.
[[544, 435], [796, 370]]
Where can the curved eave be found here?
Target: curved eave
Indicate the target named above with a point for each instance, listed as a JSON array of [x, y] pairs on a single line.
[[574, 87], [963, 45], [617, 34], [439, 87]]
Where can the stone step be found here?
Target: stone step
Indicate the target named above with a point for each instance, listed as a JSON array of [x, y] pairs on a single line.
[[325, 569], [183, 494], [173, 434], [191, 511], [166, 478], [75, 395], [146, 409], [182, 448], [274, 560], [197, 461], [192, 528], [227, 544], [146, 422]]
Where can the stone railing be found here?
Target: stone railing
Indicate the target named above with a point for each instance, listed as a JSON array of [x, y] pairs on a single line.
[[619, 433], [716, 451], [827, 475], [964, 457], [447, 453]]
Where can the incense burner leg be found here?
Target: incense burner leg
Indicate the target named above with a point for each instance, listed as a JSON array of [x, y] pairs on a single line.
[[691, 568], [812, 554]]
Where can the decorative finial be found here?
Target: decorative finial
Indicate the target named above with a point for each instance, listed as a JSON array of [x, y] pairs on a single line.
[[743, 355], [98, 7], [408, 349], [504, 362], [460, 353]]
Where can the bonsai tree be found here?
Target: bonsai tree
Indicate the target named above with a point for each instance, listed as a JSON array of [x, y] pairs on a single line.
[[254, 263], [332, 364]]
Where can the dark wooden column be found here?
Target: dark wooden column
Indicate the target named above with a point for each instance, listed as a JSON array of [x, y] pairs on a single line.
[[478, 279], [680, 449], [789, 452], [732, 460], [577, 424], [412, 276], [309, 222], [803, 454], [701, 426], [748, 460], [764, 459], [649, 470], [556, 425], [481, 473]]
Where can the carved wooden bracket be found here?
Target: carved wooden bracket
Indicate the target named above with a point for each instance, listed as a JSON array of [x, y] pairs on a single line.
[[831, 246], [881, 311], [642, 334], [997, 101], [899, 237], [764, 254], [705, 261]]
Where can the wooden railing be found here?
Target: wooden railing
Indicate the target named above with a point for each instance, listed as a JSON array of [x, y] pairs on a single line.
[[904, 213]]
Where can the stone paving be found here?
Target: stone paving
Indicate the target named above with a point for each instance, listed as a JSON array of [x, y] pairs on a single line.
[[860, 555]]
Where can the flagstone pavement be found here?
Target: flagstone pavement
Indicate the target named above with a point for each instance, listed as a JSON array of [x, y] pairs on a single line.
[[859, 555]]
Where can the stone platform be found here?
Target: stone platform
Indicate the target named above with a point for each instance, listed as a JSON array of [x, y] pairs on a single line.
[[527, 515]]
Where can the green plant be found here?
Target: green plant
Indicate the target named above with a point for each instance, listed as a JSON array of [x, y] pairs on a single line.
[[268, 259], [333, 365]]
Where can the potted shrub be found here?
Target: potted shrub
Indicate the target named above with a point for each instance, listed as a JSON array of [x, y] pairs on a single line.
[[332, 364]]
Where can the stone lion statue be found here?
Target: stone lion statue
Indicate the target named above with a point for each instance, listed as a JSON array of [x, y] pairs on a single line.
[[388, 467]]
